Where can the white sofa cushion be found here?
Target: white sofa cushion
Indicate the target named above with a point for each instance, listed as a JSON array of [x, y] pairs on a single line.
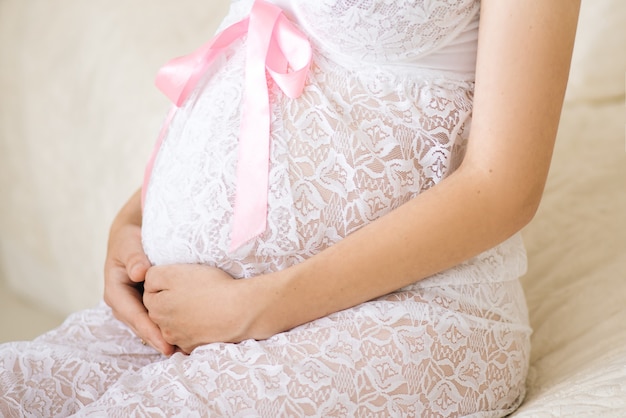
[[599, 61]]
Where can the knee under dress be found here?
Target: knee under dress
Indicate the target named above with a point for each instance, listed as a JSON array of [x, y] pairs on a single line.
[[385, 114]]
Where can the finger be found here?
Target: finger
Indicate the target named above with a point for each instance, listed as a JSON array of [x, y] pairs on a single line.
[[135, 260], [137, 266], [156, 279], [126, 302], [149, 332]]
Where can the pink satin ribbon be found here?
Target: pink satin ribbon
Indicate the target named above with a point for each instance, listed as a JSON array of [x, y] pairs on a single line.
[[273, 44]]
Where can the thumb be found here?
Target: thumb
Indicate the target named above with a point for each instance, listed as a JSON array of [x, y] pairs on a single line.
[[137, 263], [137, 267], [126, 250]]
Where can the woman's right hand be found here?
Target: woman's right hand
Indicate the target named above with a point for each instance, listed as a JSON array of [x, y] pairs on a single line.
[[124, 273]]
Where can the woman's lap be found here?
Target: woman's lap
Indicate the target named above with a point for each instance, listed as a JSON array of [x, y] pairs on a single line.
[[70, 366], [404, 355]]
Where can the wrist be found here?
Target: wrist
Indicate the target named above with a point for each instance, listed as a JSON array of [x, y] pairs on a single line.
[[266, 308]]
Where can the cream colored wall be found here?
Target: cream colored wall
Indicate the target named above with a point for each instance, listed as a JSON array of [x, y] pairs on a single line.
[[78, 117], [79, 114], [599, 61]]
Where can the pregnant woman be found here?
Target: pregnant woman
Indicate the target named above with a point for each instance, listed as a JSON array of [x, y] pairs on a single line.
[[329, 223]]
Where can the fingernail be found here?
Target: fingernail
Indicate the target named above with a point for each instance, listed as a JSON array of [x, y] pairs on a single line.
[[133, 271]]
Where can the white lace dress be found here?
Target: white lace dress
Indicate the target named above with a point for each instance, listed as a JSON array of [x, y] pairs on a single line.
[[385, 114]]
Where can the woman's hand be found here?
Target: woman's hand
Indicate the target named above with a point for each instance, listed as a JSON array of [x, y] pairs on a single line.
[[195, 304], [124, 271]]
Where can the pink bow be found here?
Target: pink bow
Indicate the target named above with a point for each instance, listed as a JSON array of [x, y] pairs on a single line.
[[273, 43]]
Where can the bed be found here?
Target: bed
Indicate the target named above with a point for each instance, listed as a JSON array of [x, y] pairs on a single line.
[[79, 110]]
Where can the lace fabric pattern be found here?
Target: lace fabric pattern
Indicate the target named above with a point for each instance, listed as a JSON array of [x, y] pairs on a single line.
[[349, 151], [431, 351], [385, 32], [376, 125]]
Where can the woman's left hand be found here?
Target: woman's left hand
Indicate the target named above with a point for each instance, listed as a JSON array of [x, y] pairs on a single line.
[[195, 304]]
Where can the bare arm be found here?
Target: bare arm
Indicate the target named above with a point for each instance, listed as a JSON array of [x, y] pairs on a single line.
[[523, 64]]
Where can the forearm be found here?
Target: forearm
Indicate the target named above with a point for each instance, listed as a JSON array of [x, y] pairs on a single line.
[[130, 213], [521, 74], [440, 228]]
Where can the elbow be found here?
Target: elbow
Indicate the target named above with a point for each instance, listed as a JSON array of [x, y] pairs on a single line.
[[510, 213], [509, 203], [520, 206], [527, 209]]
